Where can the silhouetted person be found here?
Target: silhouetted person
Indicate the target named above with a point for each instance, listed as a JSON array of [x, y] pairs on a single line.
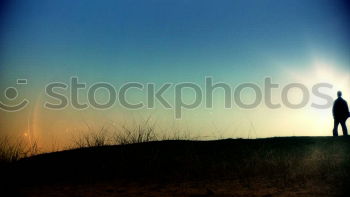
[[340, 114]]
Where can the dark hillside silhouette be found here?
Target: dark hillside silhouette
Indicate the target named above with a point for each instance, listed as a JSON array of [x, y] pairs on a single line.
[[307, 166]]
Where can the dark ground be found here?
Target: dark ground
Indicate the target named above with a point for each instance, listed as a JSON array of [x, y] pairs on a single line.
[[294, 166]]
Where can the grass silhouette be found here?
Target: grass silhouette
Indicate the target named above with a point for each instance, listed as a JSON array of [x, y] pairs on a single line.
[[12, 150]]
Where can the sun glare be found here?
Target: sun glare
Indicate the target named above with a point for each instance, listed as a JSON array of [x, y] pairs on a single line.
[[323, 72]]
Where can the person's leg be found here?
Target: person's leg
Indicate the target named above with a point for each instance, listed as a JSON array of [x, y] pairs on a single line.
[[345, 129], [335, 130]]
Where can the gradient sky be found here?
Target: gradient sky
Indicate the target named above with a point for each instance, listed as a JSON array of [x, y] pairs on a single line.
[[173, 41]]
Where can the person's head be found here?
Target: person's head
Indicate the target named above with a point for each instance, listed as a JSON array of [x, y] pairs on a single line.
[[339, 93]]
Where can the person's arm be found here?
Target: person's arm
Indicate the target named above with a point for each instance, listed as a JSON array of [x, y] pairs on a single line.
[[347, 108]]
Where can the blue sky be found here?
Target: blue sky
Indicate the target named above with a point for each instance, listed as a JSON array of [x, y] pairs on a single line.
[[179, 39], [169, 40]]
